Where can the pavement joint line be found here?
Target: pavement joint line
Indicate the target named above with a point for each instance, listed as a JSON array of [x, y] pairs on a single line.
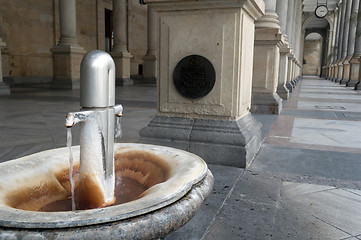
[[222, 205], [318, 218]]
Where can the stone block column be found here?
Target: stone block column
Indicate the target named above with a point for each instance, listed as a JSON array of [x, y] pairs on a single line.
[[150, 60], [355, 71], [333, 50], [290, 69], [120, 52], [67, 53], [282, 90], [342, 51], [285, 49], [351, 18], [205, 79], [268, 39], [354, 45]]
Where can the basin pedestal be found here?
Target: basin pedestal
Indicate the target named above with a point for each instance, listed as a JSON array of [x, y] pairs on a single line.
[[205, 79]]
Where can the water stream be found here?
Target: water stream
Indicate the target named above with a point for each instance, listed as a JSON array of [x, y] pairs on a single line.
[[68, 144]]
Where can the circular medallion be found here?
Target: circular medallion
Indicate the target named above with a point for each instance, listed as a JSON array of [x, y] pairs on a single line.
[[321, 11], [194, 76]]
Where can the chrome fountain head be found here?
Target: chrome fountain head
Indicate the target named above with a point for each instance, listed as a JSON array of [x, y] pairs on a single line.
[[97, 99]]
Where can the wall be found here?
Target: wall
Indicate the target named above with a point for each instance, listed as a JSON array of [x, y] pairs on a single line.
[[28, 30], [31, 28], [312, 57]]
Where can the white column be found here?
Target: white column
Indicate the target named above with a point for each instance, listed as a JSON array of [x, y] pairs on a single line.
[[281, 9], [351, 43], [268, 39], [150, 60], [67, 53], [336, 47], [120, 26], [345, 67], [119, 51], [333, 45], [338, 75], [355, 71], [290, 20], [67, 17]]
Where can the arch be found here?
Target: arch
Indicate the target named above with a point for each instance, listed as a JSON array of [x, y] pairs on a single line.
[[309, 18]]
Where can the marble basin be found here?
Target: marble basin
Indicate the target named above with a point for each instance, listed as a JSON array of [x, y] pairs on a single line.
[[176, 183]]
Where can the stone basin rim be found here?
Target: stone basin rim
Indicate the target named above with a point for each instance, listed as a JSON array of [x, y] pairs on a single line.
[[17, 218]]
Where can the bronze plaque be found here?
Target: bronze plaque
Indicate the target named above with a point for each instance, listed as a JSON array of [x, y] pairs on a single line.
[[194, 76]]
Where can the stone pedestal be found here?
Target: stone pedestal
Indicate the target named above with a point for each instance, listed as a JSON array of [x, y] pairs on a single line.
[[265, 71], [339, 70], [150, 60], [346, 70], [290, 71], [122, 65], [205, 79], [150, 67], [67, 61], [282, 90], [354, 71]]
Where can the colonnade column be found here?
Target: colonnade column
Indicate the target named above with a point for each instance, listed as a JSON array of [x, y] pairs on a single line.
[[67, 53], [4, 89], [268, 39], [338, 69], [344, 70], [289, 32], [298, 42], [119, 51], [150, 60], [354, 74], [281, 9], [351, 62], [333, 50]]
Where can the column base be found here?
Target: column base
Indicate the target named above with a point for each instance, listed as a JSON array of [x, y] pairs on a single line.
[[67, 60], [357, 86], [266, 103], [150, 66], [122, 64], [283, 92], [222, 142], [289, 86], [338, 80], [351, 83], [343, 81], [4, 89]]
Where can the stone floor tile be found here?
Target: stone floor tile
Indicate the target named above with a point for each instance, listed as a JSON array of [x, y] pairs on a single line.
[[336, 207], [254, 187], [295, 224], [224, 180], [329, 106], [292, 189], [327, 132], [308, 162], [243, 220]]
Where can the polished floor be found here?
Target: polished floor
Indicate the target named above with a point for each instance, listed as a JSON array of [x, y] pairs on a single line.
[[305, 182]]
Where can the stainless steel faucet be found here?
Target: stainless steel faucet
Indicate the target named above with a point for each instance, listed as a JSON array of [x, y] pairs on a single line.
[[97, 99]]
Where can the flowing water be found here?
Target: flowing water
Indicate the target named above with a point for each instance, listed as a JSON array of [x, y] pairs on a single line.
[[68, 144], [118, 128]]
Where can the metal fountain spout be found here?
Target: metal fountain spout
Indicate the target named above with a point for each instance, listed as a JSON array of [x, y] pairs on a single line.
[[96, 118]]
